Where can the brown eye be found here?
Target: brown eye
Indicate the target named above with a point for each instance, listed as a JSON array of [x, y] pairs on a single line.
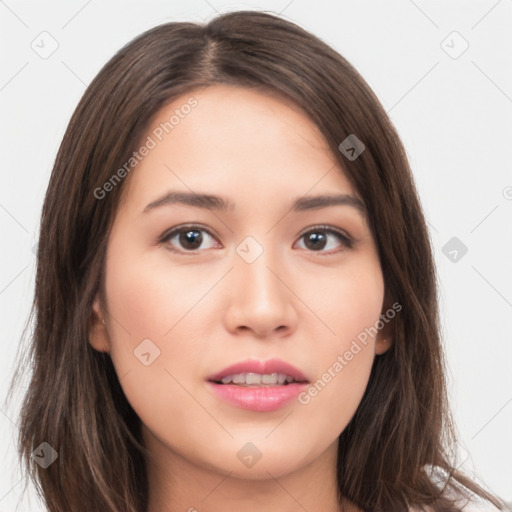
[[188, 238], [315, 240], [324, 239]]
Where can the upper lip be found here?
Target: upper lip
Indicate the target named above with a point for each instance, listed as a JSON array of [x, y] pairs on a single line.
[[261, 367]]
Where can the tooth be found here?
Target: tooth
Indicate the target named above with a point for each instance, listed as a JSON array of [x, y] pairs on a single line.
[[253, 378], [269, 379], [239, 378]]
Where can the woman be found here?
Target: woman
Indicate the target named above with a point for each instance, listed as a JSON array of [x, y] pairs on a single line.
[[235, 295]]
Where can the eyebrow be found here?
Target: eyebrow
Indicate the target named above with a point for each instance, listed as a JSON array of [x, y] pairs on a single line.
[[212, 202]]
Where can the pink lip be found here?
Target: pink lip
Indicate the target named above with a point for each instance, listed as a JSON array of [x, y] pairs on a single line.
[[254, 366], [264, 398]]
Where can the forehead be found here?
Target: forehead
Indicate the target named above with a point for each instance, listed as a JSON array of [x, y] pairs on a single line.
[[236, 141]]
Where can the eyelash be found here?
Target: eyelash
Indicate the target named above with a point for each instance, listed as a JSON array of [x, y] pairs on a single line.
[[345, 240]]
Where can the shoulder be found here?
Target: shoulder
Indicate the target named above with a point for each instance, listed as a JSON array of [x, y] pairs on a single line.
[[479, 505], [475, 503], [468, 507], [472, 504]]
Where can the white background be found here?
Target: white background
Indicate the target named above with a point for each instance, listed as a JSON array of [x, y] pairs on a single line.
[[453, 114]]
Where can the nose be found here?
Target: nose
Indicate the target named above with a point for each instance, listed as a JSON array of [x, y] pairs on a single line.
[[261, 299]]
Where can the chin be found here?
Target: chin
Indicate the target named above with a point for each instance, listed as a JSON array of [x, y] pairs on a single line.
[[268, 460], [267, 467]]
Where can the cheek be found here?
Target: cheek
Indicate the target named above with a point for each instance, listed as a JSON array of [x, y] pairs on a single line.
[[151, 299], [342, 373], [150, 344], [349, 308], [138, 299], [349, 302], [157, 326]]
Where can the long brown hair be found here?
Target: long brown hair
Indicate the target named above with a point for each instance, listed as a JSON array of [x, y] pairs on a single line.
[[75, 402]]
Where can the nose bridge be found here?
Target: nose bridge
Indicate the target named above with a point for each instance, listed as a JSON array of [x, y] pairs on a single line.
[[253, 265], [260, 300]]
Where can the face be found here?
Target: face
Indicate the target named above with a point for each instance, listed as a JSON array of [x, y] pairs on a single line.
[[265, 277]]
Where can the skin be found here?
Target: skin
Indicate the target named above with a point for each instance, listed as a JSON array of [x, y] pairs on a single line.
[[209, 308]]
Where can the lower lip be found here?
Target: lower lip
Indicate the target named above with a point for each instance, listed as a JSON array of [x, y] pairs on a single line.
[[261, 399]]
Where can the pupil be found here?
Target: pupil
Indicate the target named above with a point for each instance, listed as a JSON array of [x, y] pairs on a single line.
[[316, 241], [191, 239]]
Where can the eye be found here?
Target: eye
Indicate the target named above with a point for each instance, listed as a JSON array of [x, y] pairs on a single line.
[[192, 237], [325, 238], [188, 238]]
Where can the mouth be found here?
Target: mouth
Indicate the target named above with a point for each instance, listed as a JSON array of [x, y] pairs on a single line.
[[252, 372], [258, 379], [258, 386]]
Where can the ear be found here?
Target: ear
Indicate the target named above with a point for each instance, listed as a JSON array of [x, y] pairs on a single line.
[[384, 339], [98, 333]]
